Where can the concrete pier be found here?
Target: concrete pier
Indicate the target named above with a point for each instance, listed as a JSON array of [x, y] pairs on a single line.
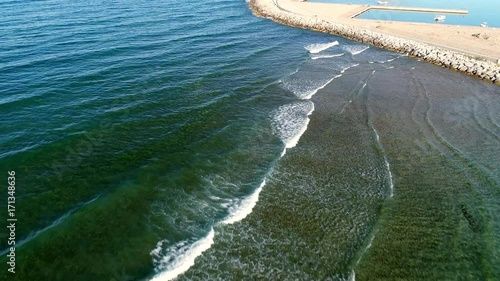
[[416, 9], [471, 50]]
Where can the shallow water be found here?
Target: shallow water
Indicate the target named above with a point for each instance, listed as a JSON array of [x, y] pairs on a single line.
[[151, 142]]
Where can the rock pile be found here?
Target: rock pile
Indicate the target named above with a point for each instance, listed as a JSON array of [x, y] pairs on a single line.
[[482, 69]]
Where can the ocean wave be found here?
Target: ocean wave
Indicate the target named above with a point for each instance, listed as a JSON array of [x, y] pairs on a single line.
[[244, 207], [316, 48], [356, 49], [348, 67], [312, 93], [389, 60], [290, 122], [175, 260], [172, 262], [306, 87], [326, 56]]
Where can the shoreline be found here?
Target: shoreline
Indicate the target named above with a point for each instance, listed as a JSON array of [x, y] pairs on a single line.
[[337, 19]]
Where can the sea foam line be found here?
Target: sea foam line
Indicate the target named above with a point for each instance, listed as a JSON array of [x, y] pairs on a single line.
[[353, 274], [327, 56], [366, 249], [364, 85], [391, 185], [55, 223], [290, 121], [351, 66], [245, 207], [181, 257], [356, 49], [387, 165], [317, 48], [312, 93], [293, 141]]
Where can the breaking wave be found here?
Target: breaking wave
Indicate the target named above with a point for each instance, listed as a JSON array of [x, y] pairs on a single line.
[[317, 48], [177, 259], [290, 122], [327, 56], [356, 49]]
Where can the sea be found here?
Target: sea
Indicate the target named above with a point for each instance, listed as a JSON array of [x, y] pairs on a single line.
[[166, 140]]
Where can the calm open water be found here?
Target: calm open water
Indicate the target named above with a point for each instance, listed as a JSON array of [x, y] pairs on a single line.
[[157, 140]]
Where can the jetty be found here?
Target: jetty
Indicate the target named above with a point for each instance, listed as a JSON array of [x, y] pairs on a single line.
[[422, 10], [468, 49]]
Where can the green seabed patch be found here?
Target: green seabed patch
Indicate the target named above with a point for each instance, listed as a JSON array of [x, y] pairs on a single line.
[[441, 223], [435, 228]]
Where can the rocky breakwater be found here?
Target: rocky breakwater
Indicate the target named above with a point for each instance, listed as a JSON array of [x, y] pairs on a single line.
[[483, 69]]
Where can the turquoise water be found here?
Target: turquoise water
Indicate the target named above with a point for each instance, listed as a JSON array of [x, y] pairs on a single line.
[[158, 140], [479, 11], [472, 19]]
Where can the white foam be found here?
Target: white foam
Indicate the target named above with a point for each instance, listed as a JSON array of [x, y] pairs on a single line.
[[377, 136], [292, 142], [366, 249], [391, 184], [180, 257], [215, 198], [387, 165], [306, 87], [316, 48], [326, 56], [313, 92], [370, 243], [295, 71], [353, 275], [244, 207], [283, 152], [346, 68], [389, 60], [356, 49], [305, 84], [290, 122]]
